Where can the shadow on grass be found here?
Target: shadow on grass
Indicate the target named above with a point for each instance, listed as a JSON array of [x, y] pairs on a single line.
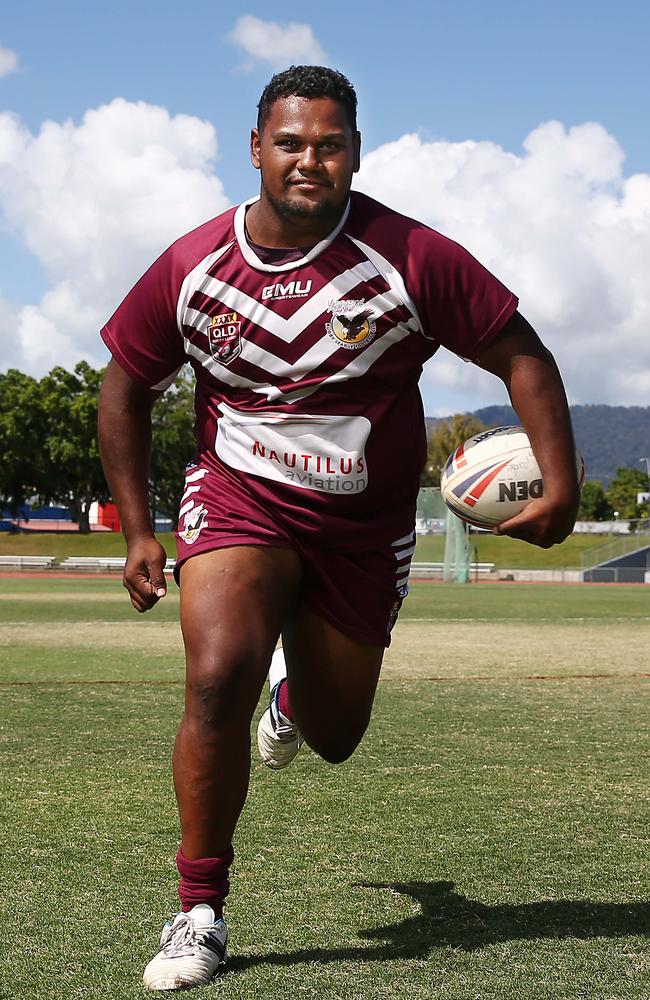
[[448, 919]]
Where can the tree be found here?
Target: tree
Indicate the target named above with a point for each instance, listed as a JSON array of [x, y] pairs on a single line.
[[172, 444], [623, 489], [74, 475], [22, 433], [594, 505], [49, 449], [445, 438]]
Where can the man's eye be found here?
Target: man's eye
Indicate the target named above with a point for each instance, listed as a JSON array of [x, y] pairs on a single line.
[[288, 144]]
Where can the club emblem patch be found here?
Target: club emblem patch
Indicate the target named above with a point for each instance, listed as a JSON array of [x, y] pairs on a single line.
[[224, 337], [351, 324], [193, 522]]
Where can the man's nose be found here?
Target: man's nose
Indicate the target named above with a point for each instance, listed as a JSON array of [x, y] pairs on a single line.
[[309, 159]]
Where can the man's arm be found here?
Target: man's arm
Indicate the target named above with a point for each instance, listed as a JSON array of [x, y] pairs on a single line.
[[537, 394], [125, 445]]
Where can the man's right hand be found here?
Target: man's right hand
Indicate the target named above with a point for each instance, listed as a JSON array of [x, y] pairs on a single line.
[[143, 574]]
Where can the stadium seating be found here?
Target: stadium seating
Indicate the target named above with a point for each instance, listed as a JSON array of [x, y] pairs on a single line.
[[424, 569], [27, 562], [102, 564]]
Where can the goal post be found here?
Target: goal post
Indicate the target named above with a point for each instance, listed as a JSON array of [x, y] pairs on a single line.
[[434, 517], [457, 555]]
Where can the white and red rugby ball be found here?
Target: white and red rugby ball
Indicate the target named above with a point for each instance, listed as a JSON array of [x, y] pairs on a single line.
[[492, 476]]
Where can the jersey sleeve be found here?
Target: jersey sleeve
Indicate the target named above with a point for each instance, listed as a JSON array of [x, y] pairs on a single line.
[[142, 334], [460, 303]]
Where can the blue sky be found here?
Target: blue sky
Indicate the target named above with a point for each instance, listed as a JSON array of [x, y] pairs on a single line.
[[448, 74]]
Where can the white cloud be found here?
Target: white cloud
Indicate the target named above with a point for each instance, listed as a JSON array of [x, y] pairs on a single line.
[[96, 203], [276, 44], [560, 225], [8, 61], [11, 353]]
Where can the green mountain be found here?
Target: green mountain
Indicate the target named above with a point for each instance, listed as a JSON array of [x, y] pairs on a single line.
[[606, 436]]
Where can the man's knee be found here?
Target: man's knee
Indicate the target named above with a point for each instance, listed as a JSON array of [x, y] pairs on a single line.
[[222, 691], [335, 748]]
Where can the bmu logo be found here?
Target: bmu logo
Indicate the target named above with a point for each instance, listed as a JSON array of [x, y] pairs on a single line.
[[292, 290], [224, 337]]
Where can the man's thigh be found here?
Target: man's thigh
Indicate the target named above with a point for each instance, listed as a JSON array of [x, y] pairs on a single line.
[[332, 682], [334, 644], [234, 603]]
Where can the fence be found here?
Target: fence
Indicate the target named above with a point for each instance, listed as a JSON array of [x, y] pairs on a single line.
[[618, 546]]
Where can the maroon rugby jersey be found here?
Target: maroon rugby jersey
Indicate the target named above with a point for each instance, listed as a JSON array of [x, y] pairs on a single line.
[[307, 372]]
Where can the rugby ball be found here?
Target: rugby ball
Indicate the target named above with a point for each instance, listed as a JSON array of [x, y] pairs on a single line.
[[492, 477]]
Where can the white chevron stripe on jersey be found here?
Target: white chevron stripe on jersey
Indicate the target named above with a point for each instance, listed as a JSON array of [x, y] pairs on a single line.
[[197, 319], [288, 329], [359, 366], [249, 352], [193, 281], [192, 477], [311, 359], [334, 289], [266, 360], [249, 307], [400, 541], [326, 346], [391, 275], [221, 372], [189, 491]]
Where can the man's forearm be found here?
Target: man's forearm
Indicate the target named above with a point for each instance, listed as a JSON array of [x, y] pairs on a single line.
[[539, 400], [535, 387], [125, 446]]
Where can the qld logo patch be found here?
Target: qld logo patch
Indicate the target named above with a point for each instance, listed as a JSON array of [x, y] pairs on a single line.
[[351, 324], [224, 337]]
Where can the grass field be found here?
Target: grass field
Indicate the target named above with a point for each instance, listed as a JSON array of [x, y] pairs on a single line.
[[489, 839], [504, 552]]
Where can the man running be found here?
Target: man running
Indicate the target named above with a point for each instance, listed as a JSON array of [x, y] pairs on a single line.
[[307, 314]]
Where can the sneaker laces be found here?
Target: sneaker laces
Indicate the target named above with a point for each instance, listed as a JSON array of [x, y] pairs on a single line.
[[181, 937]]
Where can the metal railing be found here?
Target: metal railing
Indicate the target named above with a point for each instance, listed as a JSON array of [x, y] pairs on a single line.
[[617, 545]]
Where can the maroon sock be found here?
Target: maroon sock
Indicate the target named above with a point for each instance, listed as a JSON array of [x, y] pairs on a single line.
[[283, 701], [204, 881]]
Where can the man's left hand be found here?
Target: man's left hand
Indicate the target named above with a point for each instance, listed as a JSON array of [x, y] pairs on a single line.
[[542, 522]]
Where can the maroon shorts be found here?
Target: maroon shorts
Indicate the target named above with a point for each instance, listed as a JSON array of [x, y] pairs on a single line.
[[358, 591]]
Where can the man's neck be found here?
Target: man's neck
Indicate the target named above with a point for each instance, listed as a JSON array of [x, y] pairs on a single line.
[[268, 229]]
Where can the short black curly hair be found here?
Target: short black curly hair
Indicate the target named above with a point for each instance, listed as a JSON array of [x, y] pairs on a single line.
[[310, 82]]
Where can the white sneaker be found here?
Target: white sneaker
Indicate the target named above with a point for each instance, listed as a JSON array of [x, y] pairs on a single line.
[[192, 950], [278, 739]]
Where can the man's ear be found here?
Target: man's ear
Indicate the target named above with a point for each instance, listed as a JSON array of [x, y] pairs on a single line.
[[357, 152], [255, 148]]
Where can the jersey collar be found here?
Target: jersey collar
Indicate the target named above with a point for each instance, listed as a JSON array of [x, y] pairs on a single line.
[[251, 257]]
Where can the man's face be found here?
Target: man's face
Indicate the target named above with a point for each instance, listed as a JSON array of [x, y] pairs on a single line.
[[307, 153]]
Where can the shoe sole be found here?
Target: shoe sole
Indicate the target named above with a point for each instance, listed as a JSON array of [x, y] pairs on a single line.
[[218, 972], [262, 745]]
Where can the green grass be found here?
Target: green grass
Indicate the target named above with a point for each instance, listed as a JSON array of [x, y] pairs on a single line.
[[504, 552], [488, 839]]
